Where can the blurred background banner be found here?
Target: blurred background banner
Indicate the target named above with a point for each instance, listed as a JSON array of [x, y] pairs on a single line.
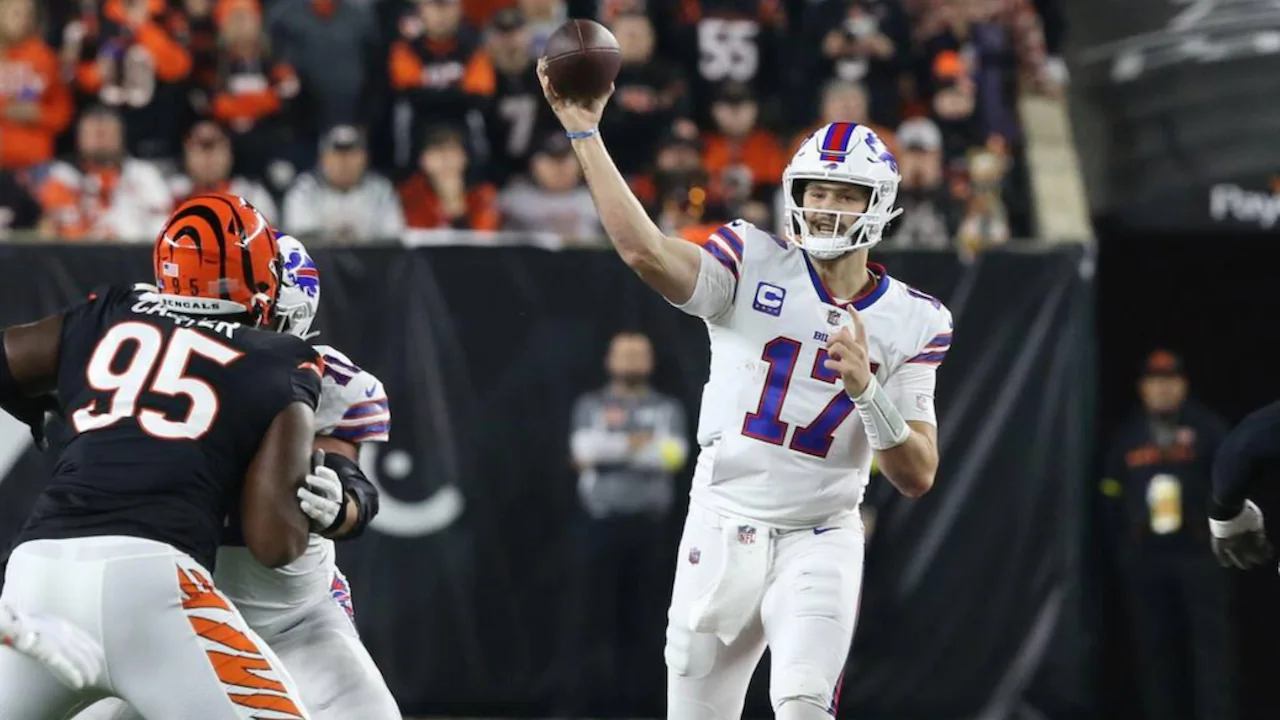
[[464, 589], [1173, 103]]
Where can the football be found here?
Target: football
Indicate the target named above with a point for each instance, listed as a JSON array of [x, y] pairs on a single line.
[[582, 60]]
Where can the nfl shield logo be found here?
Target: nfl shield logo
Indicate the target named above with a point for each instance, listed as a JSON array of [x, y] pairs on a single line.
[[695, 555], [746, 535], [833, 317]]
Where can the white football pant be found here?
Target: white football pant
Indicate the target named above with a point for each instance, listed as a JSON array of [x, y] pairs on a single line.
[[794, 591], [318, 644], [175, 647]]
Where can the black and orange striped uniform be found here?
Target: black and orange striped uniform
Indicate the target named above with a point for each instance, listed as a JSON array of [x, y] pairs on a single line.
[[167, 407]]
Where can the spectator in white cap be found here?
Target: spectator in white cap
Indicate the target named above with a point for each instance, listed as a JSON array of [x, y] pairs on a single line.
[[342, 199], [928, 220]]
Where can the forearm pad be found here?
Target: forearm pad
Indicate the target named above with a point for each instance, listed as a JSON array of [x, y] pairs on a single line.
[[359, 487], [885, 426]]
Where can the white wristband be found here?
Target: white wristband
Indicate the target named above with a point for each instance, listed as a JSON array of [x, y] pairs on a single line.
[[1249, 520], [885, 426]]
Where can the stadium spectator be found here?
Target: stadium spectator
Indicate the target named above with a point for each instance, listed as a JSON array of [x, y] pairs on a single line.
[[649, 95], [207, 165], [924, 195], [342, 199], [35, 104], [744, 160], [439, 196], [439, 68], [556, 201], [517, 114], [103, 194], [333, 47], [251, 87], [858, 41], [130, 58]]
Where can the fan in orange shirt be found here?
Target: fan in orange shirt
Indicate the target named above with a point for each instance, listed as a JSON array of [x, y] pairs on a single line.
[[437, 195], [35, 104], [846, 101]]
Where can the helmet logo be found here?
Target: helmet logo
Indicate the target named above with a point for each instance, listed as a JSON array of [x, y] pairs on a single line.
[[300, 272]]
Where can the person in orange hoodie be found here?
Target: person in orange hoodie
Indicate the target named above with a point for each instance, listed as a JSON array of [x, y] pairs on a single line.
[[35, 104], [438, 196]]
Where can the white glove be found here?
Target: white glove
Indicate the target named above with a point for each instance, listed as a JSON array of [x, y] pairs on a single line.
[[71, 654], [322, 497], [1241, 541]]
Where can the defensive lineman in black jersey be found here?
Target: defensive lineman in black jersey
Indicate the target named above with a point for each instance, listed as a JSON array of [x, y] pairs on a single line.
[[180, 410]]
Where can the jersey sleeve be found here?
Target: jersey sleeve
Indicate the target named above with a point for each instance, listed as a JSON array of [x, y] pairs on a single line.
[[911, 386], [285, 370], [353, 402], [719, 272]]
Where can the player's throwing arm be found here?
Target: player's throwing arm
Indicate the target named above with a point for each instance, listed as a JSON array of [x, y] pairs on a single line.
[[668, 265]]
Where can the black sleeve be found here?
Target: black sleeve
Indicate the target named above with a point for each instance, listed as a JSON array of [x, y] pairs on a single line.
[[289, 372], [1246, 454], [356, 484]]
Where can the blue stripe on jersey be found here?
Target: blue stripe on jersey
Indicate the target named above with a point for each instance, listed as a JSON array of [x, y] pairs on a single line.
[[367, 409], [735, 243], [361, 433]]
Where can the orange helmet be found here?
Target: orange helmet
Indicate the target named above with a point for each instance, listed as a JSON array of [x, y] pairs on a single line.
[[217, 255]]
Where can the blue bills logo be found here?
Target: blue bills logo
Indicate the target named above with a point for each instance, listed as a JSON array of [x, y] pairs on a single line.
[[300, 271], [342, 595]]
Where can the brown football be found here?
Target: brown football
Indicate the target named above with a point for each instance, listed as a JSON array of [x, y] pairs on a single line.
[[583, 59]]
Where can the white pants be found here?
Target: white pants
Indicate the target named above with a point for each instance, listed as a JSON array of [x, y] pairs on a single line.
[[318, 644], [807, 590], [175, 647]]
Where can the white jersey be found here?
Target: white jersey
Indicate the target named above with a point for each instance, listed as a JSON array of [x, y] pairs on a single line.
[[780, 441], [353, 407]]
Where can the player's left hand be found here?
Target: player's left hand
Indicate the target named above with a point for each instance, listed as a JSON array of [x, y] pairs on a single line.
[[322, 497], [848, 355]]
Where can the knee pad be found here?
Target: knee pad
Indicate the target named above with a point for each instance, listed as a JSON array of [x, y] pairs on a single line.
[[689, 654], [801, 682]]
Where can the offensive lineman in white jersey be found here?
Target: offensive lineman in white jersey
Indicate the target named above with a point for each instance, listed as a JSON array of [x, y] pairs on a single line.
[[303, 610], [817, 359]]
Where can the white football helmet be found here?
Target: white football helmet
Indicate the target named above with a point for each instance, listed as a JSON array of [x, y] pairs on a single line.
[[842, 153], [299, 289]]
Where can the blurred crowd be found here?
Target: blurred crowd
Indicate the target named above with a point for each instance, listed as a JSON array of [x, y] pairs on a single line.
[[356, 120]]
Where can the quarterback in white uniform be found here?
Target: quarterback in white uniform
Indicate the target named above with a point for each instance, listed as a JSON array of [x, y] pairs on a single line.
[[303, 610], [818, 360]]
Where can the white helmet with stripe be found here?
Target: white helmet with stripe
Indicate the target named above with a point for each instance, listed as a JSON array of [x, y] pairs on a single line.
[[840, 153]]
